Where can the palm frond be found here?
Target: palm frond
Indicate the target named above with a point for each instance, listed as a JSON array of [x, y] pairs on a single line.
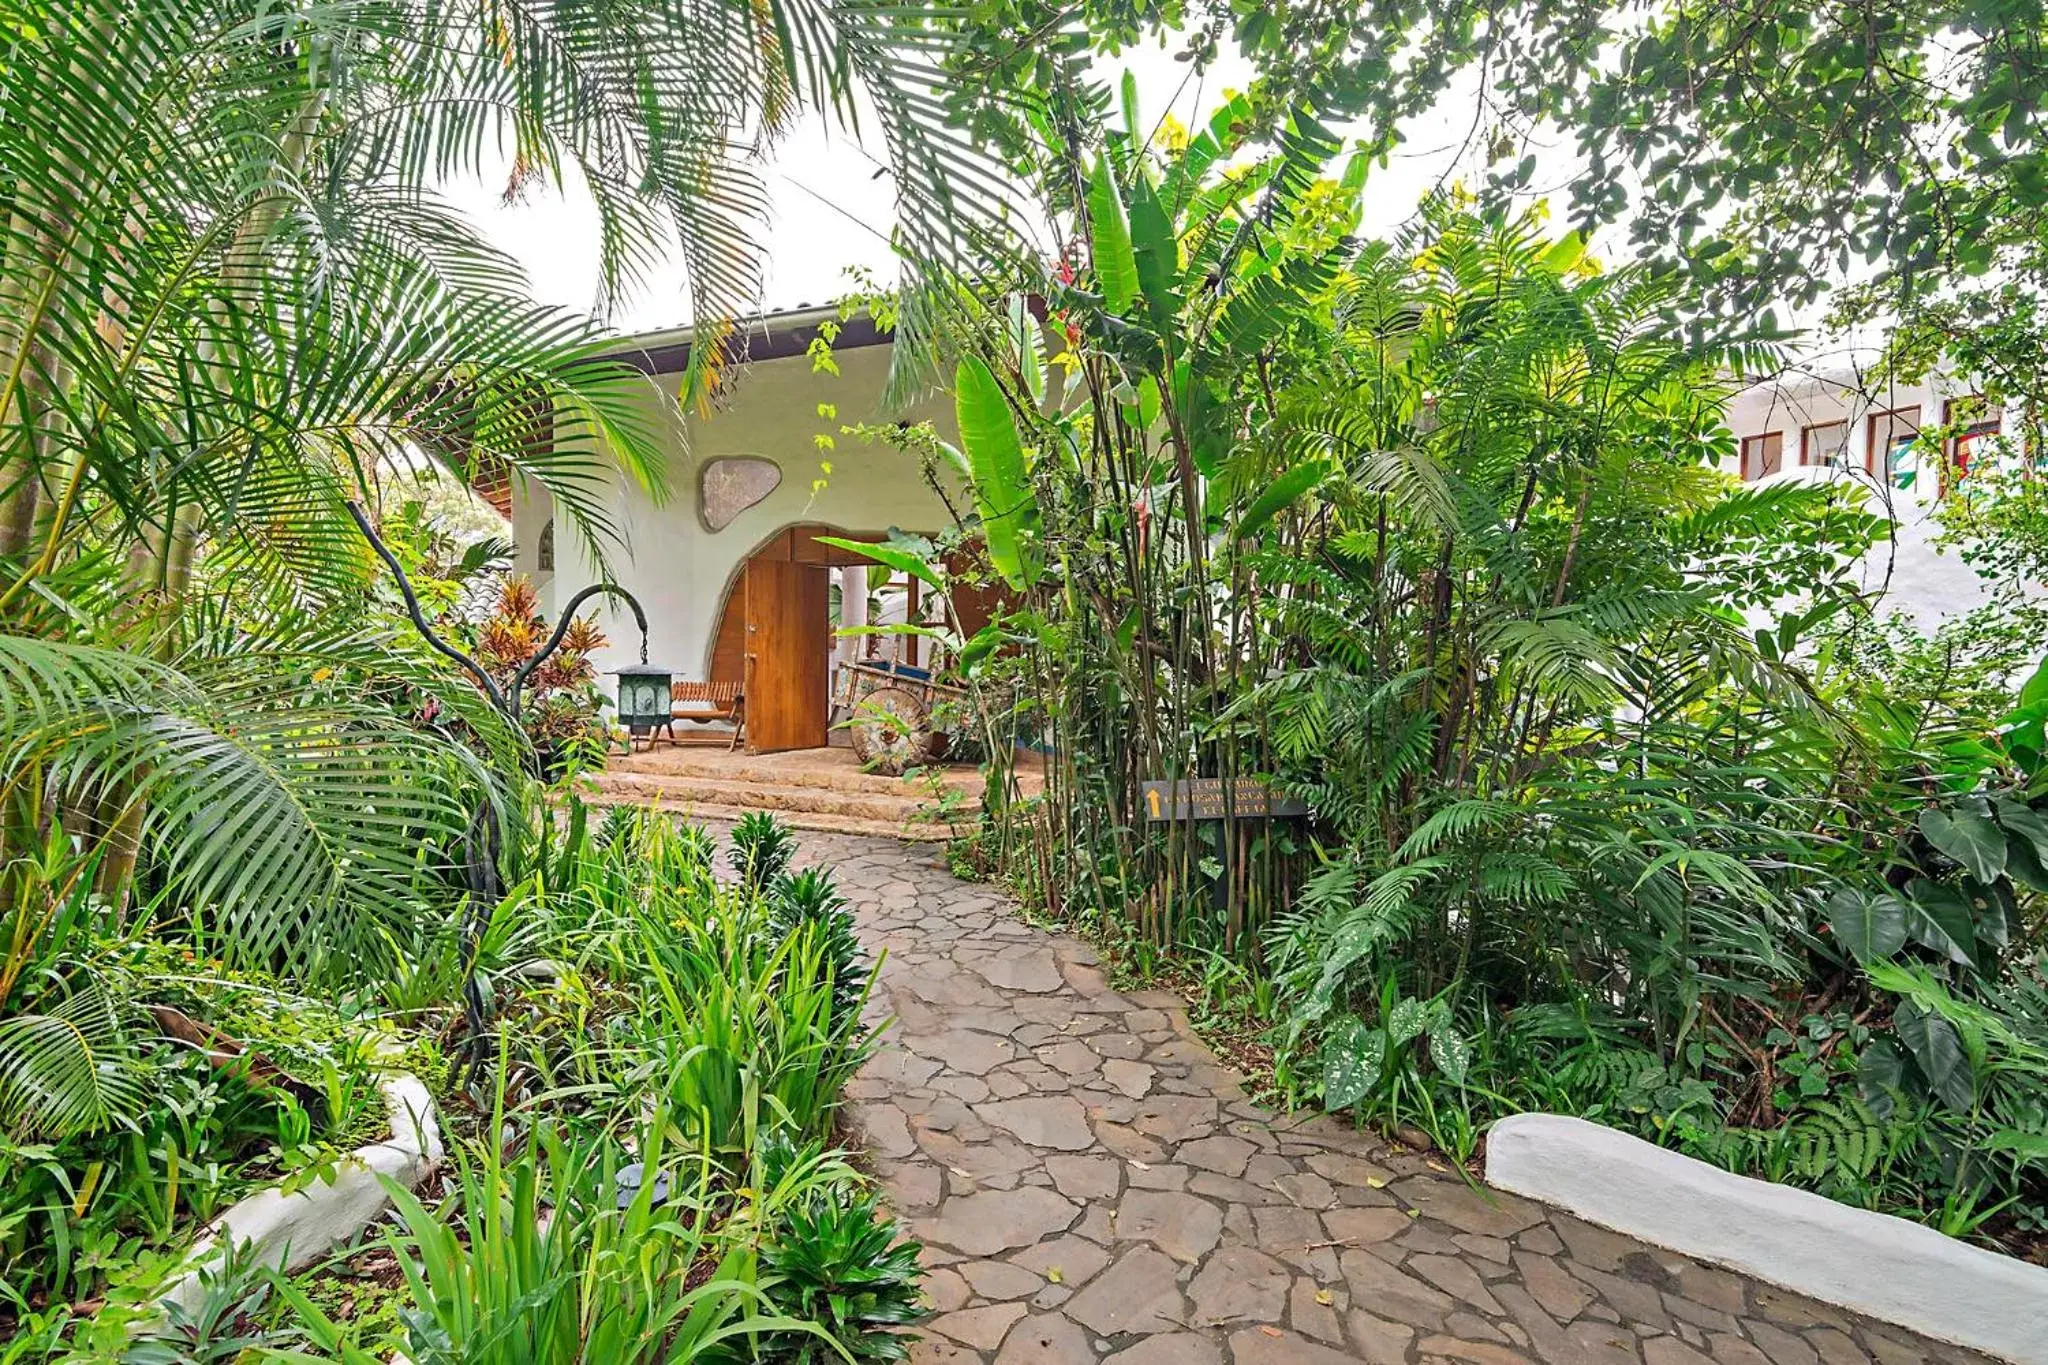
[[65, 1068], [288, 818]]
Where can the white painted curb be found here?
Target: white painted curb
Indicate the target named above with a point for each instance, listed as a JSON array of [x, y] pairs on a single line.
[[294, 1230], [1884, 1267]]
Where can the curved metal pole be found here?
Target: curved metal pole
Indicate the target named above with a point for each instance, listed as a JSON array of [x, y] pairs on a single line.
[[568, 615], [485, 839], [419, 621]]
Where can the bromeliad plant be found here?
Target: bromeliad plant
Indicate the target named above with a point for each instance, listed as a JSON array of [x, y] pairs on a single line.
[[835, 1260], [809, 901], [762, 847], [561, 708]]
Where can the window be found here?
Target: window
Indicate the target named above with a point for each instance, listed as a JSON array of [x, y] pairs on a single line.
[[544, 552], [1890, 452], [1763, 454], [1825, 443], [1972, 422]]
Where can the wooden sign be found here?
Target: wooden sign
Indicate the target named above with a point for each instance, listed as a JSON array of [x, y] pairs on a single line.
[[1212, 798]]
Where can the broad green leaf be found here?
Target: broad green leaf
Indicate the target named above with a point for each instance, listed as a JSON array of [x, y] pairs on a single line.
[[1203, 418], [1027, 344], [2023, 865], [1279, 495], [1116, 269], [1870, 927], [1940, 917], [1969, 837], [1155, 256], [980, 645], [1881, 1075], [1451, 1052], [1353, 1056], [898, 559], [1567, 252], [1407, 1020], [1994, 914], [1002, 485], [2025, 732], [2023, 822], [2030, 1146], [2034, 691], [1148, 403], [1938, 1051]]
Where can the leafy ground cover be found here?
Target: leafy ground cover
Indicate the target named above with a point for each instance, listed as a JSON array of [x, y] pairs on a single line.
[[245, 1085], [651, 1174]]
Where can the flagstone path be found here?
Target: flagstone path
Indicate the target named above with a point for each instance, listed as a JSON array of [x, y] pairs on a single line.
[[1093, 1188]]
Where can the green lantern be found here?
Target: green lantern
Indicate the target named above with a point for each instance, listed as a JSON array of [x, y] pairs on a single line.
[[644, 705]]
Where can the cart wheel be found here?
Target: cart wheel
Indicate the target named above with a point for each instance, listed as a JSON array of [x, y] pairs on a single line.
[[891, 731]]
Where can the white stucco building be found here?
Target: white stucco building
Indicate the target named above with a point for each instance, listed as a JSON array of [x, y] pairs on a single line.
[[1889, 438], [727, 565]]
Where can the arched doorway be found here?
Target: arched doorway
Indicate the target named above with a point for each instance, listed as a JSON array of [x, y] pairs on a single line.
[[775, 635]]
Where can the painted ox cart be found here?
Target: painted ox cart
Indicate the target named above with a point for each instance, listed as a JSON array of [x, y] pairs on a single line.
[[900, 717]]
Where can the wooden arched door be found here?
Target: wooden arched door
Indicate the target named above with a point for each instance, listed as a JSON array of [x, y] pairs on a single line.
[[788, 643]]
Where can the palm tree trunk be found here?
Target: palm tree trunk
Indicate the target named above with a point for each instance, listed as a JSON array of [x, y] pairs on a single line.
[[20, 471]]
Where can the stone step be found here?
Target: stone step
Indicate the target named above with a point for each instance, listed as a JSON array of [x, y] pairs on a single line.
[[799, 769], [820, 821], [898, 807]]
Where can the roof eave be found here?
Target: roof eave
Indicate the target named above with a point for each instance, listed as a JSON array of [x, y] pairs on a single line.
[[768, 336]]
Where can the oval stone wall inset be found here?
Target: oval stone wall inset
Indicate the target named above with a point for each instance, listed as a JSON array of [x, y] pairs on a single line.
[[729, 486]]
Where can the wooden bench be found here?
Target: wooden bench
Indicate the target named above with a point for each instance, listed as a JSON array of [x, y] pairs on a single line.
[[707, 703]]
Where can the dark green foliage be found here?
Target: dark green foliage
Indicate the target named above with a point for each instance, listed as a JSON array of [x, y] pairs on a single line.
[[1623, 803], [231, 1321], [185, 1137], [809, 898], [835, 1261], [761, 849]]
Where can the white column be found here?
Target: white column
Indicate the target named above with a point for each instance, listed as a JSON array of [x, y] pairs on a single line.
[[853, 610]]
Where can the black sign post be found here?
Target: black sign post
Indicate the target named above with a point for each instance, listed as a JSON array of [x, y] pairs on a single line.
[[1198, 800]]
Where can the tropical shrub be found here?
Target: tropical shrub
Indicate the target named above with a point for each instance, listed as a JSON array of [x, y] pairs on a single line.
[[654, 1179], [553, 1255], [834, 1259], [808, 900], [1430, 532], [761, 849], [560, 705]]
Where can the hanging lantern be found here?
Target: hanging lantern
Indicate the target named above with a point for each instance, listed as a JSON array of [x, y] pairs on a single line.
[[644, 705]]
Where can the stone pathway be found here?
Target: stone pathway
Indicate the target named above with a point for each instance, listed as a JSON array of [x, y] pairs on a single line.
[[1092, 1186]]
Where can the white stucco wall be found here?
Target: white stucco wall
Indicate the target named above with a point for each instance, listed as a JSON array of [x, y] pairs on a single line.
[[1914, 576], [677, 568]]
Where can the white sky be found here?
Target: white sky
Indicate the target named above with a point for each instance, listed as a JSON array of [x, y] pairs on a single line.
[[831, 212]]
